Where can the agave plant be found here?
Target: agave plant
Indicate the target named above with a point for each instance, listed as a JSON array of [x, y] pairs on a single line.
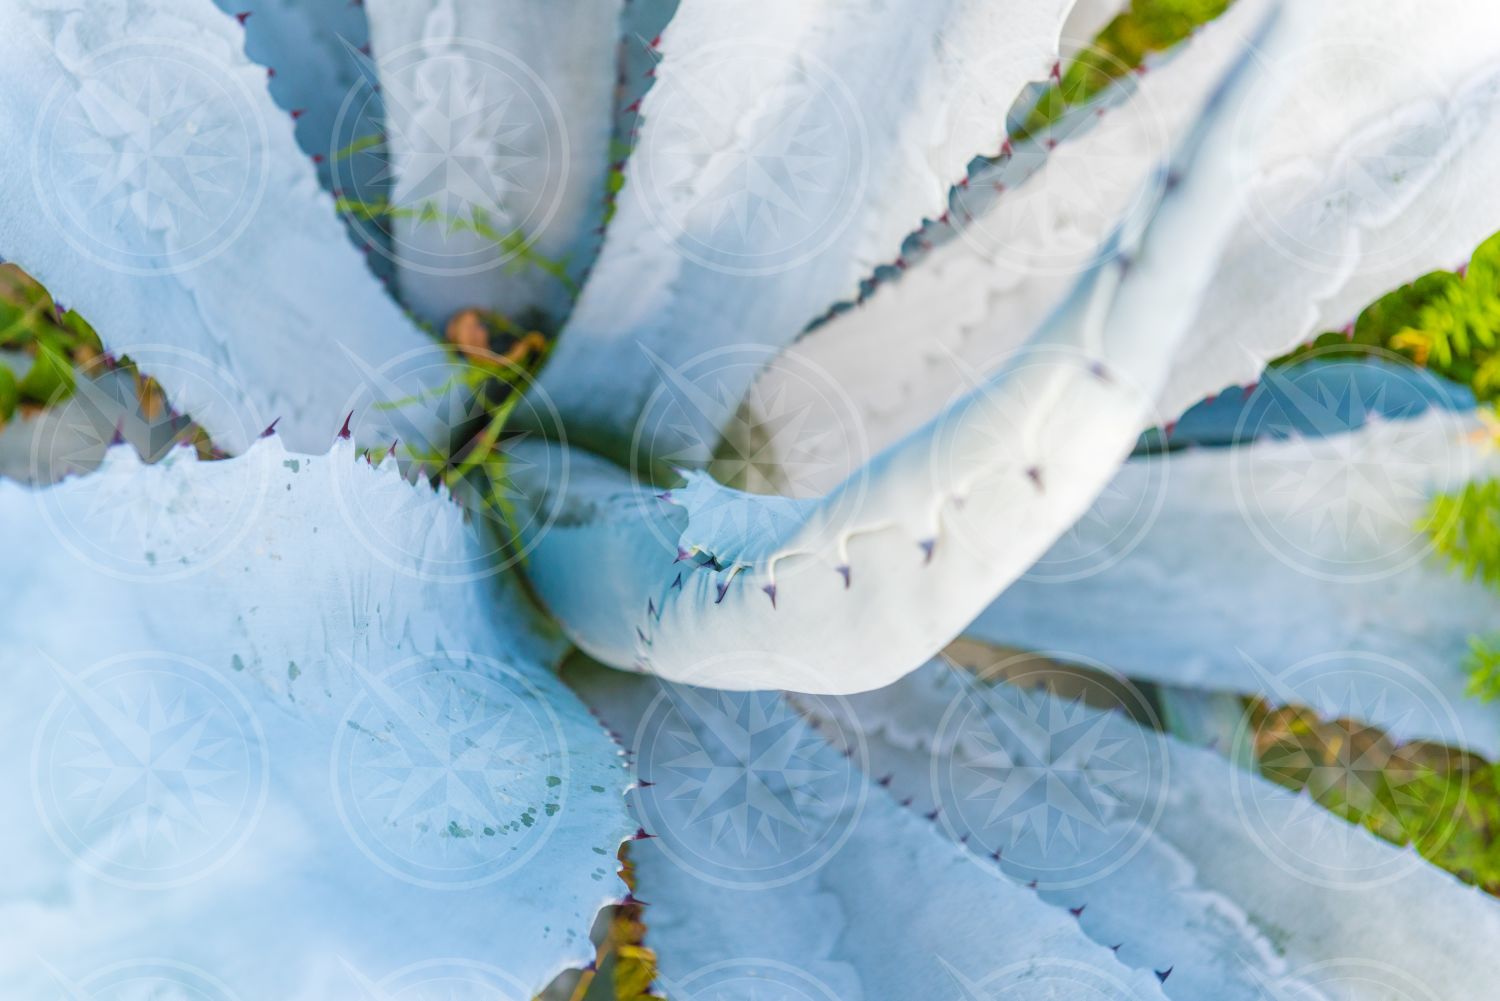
[[856, 343]]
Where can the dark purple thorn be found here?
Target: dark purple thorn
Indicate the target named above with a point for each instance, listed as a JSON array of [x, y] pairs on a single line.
[[344, 431], [682, 554], [270, 428], [995, 855], [644, 784], [1163, 975], [1034, 474], [1099, 372], [641, 835], [885, 781], [933, 813], [119, 436], [1170, 427], [846, 572], [1115, 948], [906, 801], [928, 545], [642, 636], [392, 450], [770, 590], [631, 898], [1032, 884], [723, 590], [243, 16], [849, 751], [678, 582], [651, 607], [1077, 912], [665, 495]]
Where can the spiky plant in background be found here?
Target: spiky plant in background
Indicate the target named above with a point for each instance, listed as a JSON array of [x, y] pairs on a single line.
[[743, 358]]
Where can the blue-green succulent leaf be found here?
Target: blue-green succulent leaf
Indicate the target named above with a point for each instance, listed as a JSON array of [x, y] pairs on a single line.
[[1177, 573], [169, 203], [756, 820], [1219, 882], [258, 732], [785, 149]]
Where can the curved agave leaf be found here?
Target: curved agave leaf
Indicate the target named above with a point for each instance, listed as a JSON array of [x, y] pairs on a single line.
[[1223, 884], [1318, 535], [164, 178], [752, 816], [786, 149], [1367, 172], [241, 733], [498, 119], [309, 49], [873, 578]]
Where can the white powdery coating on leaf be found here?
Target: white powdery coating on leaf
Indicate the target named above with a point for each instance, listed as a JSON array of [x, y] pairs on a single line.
[[1368, 172], [786, 149], [1202, 894], [176, 213], [888, 908], [277, 756], [503, 109], [1316, 536]]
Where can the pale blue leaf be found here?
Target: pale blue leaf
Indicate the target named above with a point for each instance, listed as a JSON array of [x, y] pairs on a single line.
[[849, 591], [775, 869], [786, 149], [171, 206], [258, 735], [499, 113], [1230, 886], [1289, 569]]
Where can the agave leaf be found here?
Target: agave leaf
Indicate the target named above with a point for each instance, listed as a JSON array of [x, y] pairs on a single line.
[[173, 207], [785, 149], [498, 119], [876, 576], [1368, 170], [753, 817], [1271, 897], [244, 731], [1318, 535]]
